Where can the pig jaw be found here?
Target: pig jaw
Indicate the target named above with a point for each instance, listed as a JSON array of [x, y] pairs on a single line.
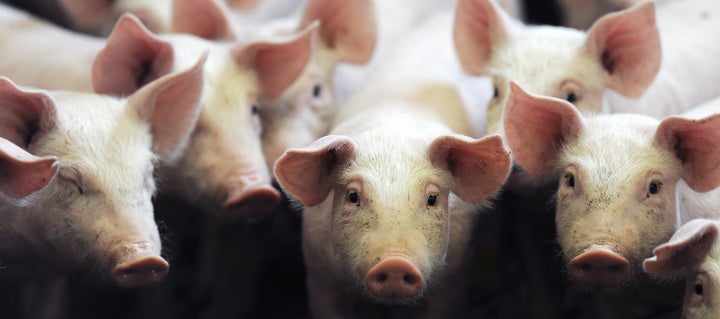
[[390, 248]]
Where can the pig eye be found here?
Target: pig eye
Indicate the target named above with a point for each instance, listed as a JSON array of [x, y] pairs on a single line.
[[352, 197], [317, 91], [571, 97], [496, 93], [432, 199], [698, 289], [569, 180], [255, 109], [654, 188]]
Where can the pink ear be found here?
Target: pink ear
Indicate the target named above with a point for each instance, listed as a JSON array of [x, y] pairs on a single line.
[[688, 247], [204, 18], [479, 28], [277, 64], [306, 173], [627, 44], [87, 13], [479, 167], [535, 128], [23, 173], [24, 113], [347, 27], [172, 105], [697, 144], [132, 57]]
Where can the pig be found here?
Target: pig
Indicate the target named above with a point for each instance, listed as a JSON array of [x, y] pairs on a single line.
[[580, 14], [302, 113], [96, 210], [98, 17], [228, 130], [625, 181], [693, 250], [390, 196], [23, 174], [634, 60]]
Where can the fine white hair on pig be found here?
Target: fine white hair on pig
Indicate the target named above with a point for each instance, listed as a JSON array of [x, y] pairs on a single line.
[[624, 180]]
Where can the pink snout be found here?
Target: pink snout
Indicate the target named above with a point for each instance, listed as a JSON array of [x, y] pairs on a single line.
[[600, 266], [252, 201], [394, 279], [140, 270]]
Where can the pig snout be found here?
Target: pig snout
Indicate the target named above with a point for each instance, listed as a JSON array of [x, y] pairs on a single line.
[[394, 279], [251, 201], [137, 265], [600, 266]]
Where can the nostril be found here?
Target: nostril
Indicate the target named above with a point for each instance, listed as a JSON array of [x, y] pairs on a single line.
[[382, 278], [410, 279]]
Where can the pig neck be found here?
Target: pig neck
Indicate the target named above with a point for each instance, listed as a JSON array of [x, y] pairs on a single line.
[[39, 54]]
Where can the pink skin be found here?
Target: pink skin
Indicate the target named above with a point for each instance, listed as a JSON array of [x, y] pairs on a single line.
[[394, 279], [600, 266], [98, 208]]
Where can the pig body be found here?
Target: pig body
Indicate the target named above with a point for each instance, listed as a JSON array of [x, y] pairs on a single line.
[[693, 250], [97, 211], [99, 16], [640, 53], [625, 180], [389, 215]]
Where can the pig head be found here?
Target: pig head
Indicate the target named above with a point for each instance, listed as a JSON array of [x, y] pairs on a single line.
[[378, 216], [618, 177], [97, 211]]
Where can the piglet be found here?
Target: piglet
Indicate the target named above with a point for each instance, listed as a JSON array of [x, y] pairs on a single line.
[[98, 16], [624, 180], [97, 211], [693, 250]]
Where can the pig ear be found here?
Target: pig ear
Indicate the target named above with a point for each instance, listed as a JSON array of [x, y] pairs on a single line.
[[479, 27], [87, 13], [132, 57], [347, 27], [171, 105], [204, 18], [478, 167], [697, 144], [627, 44], [24, 114], [306, 173], [277, 64], [688, 247], [22, 173], [535, 128]]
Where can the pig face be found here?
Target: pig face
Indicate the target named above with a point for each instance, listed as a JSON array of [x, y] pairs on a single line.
[[617, 179], [389, 224], [98, 209], [620, 52], [693, 250]]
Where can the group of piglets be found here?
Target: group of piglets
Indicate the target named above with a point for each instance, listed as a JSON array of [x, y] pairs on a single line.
[[398, 160]]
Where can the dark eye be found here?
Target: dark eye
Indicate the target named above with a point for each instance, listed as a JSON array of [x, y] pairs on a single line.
[[352, 197], [317, 90], [80, 189], [255, 108], [432, 200], [698, 289], [496, 93], [571, 97], [569, 180], [654, 187]]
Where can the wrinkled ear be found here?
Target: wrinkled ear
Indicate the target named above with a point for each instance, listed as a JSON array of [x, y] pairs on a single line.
[[277, 64], [347, 27], [132, 57], [535, 128], [21, 173], [479, 167], [87, 13], [688, 247], [171, 105], [480, 26], [244, 5], [204, 18], [306, 173], [627, 44], [24, 114], [697, 144]]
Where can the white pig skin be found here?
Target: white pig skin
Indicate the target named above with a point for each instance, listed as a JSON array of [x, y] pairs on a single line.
[[625, 180], [98, 16], [656, 58], [694, 251], [97, 212]]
